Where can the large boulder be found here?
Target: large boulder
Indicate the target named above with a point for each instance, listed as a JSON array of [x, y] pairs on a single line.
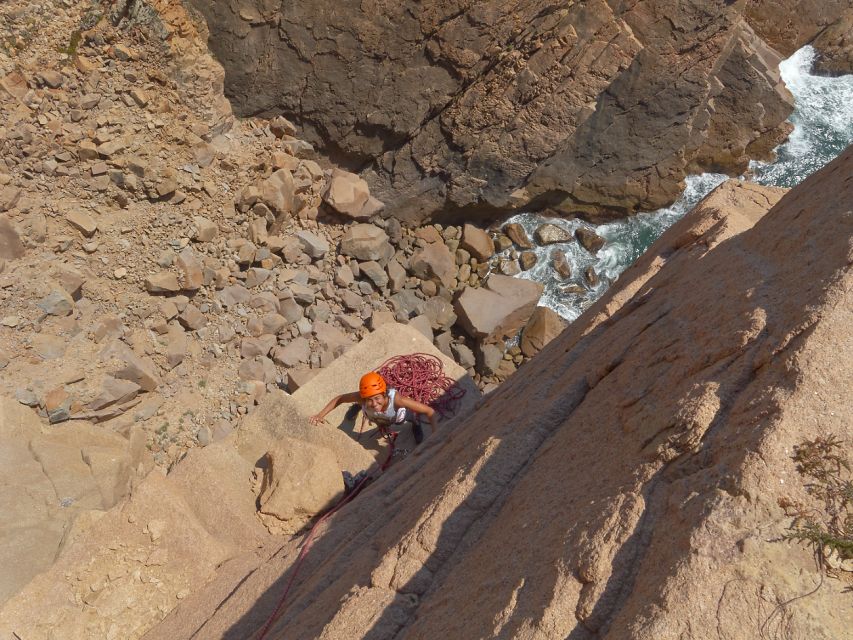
[[499, 309], [49, 478], [434, 262], [544, 325], [349, 195], [366, 242], [300, 480]]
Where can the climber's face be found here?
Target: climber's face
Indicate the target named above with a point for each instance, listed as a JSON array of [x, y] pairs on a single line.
[[377, 402]]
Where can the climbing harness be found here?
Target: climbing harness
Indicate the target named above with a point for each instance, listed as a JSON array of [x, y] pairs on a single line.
[[419, 376]]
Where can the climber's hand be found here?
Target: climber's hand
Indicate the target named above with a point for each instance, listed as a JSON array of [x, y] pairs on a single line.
[[316, 419]]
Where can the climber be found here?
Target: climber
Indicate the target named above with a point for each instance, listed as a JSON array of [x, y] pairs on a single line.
[[382, 405]]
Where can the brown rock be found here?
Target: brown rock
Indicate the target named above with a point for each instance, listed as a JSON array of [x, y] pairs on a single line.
[[233, 295], [498, 309], [434, 261], [260, 346], [312, 244], [163, 282], [528, 260], [51, 78], [9, 197], [176, 346], [258, 231], [15, 84], [136, 368], [440, 313], [366, 242], [561, 264], [551, 234], [348, 194], [544, 325], [192, 274], [518, 235], [379, 318], [48, 347], [57, 303], [83, 222], [296, 351], [277, 192], [206, 230], [114, 391], [477, 242], [11, 246], [192, 318], [298, 378], [835, 47], [260, 368], [591, 276], [286, 496], [70, 279], [374, 272], [589, 239], [57, 404], [396, 276]]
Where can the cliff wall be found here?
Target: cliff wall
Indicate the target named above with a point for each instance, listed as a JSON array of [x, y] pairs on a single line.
[[460, 109], [629, 481]]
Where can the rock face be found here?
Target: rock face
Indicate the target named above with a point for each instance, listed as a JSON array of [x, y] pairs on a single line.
[[627, 482], [49, 479], [286, 495], [448, 105]]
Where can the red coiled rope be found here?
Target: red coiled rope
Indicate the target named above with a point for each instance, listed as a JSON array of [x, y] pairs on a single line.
[[421, 377]]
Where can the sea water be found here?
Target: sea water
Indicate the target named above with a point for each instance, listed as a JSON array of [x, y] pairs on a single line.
[[823, 127]]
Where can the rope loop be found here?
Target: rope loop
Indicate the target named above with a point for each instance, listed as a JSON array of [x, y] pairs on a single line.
[[421, 377]]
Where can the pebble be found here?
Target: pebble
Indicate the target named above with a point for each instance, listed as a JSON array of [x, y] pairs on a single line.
[[119, 273]]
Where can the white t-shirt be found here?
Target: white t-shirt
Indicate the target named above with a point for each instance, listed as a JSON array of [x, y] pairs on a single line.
[[391, 415]]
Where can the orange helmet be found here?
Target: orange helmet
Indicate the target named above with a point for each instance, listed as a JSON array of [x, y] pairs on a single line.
[[371, 384]]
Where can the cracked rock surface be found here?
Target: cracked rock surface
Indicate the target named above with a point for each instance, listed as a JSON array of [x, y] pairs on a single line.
[[461, 109]]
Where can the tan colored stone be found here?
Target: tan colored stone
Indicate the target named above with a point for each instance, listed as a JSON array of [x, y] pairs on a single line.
[[286, 496], [192, 276], [277, 192], [477, 242], [163, 282], [544, 325], [499, 309], [83, 222], [348, 194], [434, 262]]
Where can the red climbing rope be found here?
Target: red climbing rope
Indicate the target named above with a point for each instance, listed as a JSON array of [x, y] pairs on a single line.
[[421, 377]]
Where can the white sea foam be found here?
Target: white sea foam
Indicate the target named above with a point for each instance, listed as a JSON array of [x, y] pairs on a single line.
[[823, 127]]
